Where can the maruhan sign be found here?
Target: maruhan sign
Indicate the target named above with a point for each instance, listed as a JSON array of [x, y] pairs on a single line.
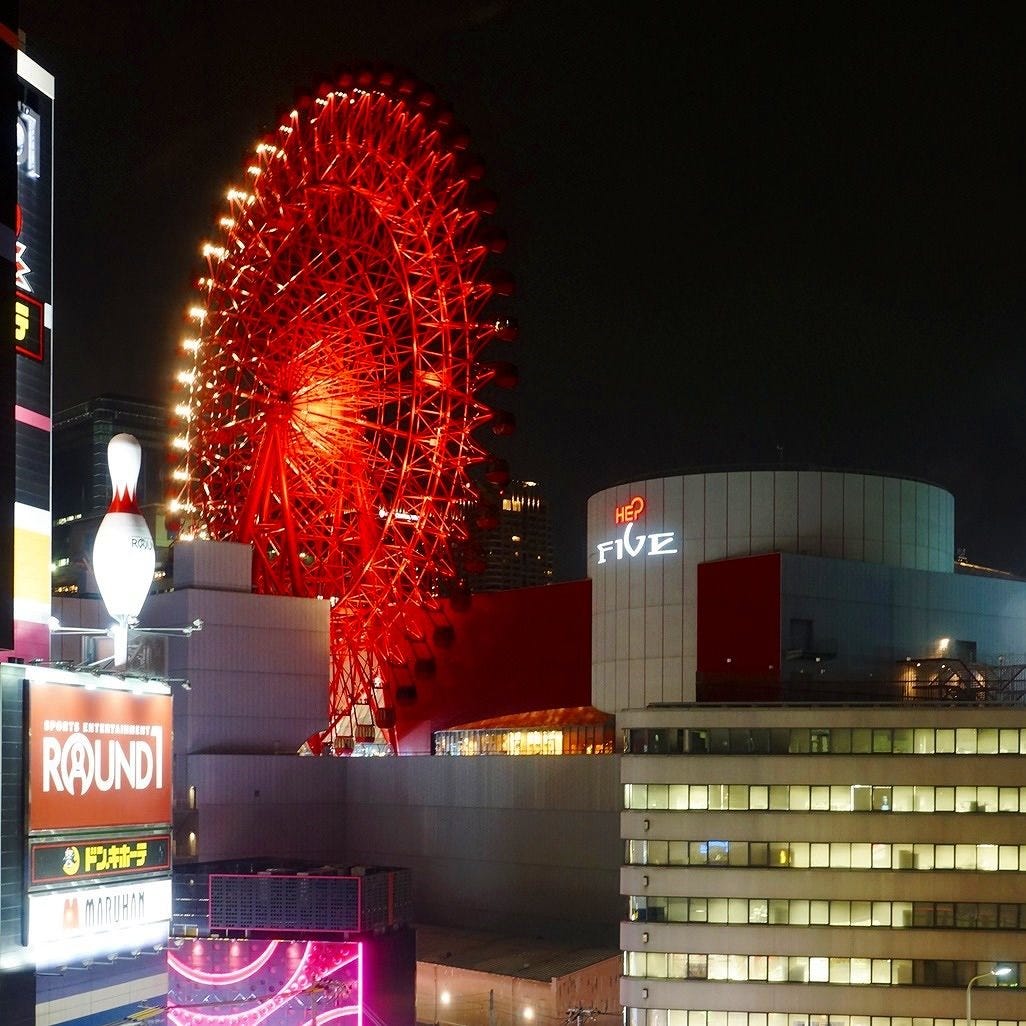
[[76, 923]]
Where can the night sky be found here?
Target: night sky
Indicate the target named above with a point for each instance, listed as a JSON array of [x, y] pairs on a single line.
[[740, 237]]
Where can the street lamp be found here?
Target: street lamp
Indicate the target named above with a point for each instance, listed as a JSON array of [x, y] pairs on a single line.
[[1003, 970]]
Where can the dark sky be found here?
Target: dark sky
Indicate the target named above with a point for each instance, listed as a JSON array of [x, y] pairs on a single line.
[[740, 237]]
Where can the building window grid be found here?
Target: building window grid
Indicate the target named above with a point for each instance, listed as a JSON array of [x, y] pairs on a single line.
[[870, 855], [825, 741], [971, 915], [837, 971], [680, 1017], [965, 798]]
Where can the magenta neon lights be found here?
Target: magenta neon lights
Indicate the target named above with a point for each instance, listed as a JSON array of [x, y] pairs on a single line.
[[265, 983], [218, 979]]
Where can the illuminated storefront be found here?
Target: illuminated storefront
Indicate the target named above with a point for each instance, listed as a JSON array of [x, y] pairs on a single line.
[[584, 731]]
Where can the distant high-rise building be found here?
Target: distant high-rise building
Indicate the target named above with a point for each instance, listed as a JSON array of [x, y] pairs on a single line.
[[81, 486], [511, 543]]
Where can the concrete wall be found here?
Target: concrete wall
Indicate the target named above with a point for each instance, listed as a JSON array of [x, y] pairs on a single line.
[[526, 844], [258, 671]]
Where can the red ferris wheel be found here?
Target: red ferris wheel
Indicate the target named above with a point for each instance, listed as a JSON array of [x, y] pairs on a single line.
[[333, 391]]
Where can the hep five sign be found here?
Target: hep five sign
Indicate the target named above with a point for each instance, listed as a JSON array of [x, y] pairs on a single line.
[[97, 758], [652, 543]]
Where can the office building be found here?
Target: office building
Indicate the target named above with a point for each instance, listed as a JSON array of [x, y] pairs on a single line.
[[823, 865], [806, 680], [510, 544]]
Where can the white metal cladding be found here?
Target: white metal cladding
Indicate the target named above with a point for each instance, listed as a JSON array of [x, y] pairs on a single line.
[[644, 580], [207, 564], [255, 653]]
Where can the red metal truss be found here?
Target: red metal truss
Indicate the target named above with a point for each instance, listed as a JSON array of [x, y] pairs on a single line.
[[329, 415]]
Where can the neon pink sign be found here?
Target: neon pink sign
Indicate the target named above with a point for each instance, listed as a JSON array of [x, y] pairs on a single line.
[[265, 983]]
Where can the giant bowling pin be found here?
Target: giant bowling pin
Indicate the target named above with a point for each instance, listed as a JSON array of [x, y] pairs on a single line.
[[123, 556]]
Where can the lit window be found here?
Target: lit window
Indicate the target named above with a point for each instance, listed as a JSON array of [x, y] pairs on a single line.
[[861, 971]]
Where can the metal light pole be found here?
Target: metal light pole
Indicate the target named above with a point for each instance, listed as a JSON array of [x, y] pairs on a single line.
[[1003, 970]]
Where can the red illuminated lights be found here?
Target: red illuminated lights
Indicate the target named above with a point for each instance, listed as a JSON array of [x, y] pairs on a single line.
[[328, 417], [629, 511]]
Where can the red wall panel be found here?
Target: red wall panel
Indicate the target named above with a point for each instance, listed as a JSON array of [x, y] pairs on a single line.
[[508, 652], [738, 626]]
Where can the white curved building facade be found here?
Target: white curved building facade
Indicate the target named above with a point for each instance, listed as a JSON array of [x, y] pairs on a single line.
[[647, 538]]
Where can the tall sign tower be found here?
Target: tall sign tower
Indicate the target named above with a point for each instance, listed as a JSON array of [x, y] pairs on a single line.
[[26, 409]]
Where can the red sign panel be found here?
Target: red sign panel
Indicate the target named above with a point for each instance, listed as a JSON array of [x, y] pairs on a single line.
[[28, 326], [97, 758]]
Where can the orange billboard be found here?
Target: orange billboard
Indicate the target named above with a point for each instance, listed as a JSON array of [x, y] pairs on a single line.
[[97, 758]]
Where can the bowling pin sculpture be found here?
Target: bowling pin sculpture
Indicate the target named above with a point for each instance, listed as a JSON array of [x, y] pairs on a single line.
[[123, 555]]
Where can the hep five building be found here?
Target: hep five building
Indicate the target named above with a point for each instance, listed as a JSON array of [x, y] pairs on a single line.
[[821, 786], [824, 733]]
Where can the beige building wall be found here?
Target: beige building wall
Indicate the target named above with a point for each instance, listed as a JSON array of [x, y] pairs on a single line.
[[669, 855]]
